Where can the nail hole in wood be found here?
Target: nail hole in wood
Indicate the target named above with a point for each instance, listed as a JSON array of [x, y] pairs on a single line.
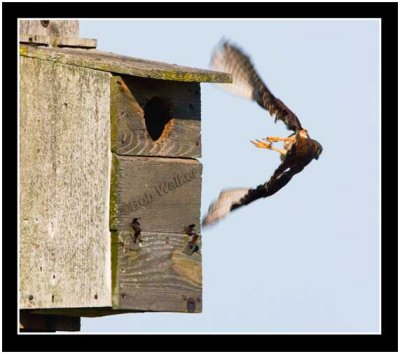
[[96, 297], [30, 297], [45, 23], [52, 298], [191, 305], [156, 115]]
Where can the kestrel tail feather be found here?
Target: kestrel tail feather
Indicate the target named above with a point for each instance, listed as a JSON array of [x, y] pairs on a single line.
[[222, 206]]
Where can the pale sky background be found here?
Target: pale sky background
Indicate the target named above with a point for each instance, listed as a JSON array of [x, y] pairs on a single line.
[[308, 258]]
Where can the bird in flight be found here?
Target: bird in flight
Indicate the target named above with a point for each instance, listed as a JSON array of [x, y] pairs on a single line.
[[298, 148]]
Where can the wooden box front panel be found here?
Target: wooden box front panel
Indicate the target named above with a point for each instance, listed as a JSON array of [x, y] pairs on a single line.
[[130, 129], [157, 276], [165, 194]]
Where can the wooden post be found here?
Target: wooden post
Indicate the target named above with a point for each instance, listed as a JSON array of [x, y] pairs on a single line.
[[56, 28], [47, 323], [53, 33]]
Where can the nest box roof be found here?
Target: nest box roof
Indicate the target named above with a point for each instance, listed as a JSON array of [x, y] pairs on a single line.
[[120, 64]]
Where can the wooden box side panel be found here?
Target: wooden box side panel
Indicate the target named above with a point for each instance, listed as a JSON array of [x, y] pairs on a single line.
[[165, 194], [130, 136], [157, 276], [64, 181]]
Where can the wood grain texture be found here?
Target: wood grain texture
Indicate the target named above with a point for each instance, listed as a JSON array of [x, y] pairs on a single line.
[[120, 64], [65, 162], [165, 193], [59, 28], [58, 41], [130, 135], [29, 322], [157, 276]]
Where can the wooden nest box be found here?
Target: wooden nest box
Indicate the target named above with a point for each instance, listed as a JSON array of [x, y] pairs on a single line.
[[104, 139]]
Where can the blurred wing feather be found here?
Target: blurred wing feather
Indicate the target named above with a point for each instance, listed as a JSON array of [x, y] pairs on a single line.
[[232, 199], [222, 206], [247, 83]]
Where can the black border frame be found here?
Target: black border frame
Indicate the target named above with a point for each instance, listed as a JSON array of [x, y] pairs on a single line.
[[387, 341]]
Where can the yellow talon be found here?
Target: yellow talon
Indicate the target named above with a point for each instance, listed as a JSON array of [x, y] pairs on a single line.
[[261, 144], [271, 139], [275, 139]]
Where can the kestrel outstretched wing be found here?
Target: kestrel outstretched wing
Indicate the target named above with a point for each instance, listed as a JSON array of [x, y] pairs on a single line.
[[247, 83], [231, 199]]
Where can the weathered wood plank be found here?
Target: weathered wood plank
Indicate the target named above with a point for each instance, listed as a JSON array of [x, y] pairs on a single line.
[[58, 41], [157, 276], [64, 185], [165, 193], [59, 28], [29, 322], [124, 65], [130, 105]]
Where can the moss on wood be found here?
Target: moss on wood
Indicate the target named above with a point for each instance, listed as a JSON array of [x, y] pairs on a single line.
[[114, 191], [124, 65]]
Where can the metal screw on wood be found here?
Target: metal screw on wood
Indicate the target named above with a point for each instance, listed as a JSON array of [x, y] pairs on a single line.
[[137, 230], [191, 247], [136, 240]]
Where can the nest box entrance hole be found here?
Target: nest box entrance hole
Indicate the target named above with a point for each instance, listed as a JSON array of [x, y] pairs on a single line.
[[157, 114]]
